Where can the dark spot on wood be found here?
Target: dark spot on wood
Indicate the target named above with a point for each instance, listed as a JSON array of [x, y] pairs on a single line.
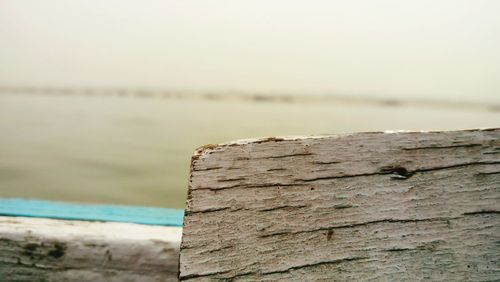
[[5, 240], [31, 247], [29, 250], [199, 151], [189, 194], [285, 207], [312, 188], [397, 172], [329, 235], [430, 246], [209, 168], [275, 169], [401, 171], [93, 245], [289, 155], [58, 251], [194, 159], [206, 147], [397, 249], [108, 255], [220, 249], [326, 162], [270, 139], [468, 266]]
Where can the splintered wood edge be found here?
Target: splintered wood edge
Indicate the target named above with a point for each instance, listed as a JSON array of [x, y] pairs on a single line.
[[219, 271], [220, 146], [61, 250]]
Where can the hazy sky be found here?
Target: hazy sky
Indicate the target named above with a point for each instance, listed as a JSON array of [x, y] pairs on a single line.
[[448, 49]]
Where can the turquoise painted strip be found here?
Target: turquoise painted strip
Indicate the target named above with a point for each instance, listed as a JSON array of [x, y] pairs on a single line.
[[118, 213]]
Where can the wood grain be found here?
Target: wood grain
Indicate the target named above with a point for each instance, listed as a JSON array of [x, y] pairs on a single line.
[[37, 249], [383, 206]]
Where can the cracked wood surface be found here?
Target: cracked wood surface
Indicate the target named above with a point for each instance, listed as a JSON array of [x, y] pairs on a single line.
[[38, 249], [383, 206]]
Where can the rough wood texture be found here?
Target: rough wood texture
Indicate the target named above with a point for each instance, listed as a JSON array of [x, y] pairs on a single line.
[[35, 249], [382, 206]]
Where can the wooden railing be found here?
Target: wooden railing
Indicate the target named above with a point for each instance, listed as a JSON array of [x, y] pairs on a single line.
[[50, 241], [380, 206]]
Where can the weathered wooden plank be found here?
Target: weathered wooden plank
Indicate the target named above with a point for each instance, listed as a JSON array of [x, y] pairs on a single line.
[[37, 249], [91, 212], [383, 206]]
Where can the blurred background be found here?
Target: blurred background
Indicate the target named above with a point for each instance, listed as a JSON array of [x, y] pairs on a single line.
[[105, 101]]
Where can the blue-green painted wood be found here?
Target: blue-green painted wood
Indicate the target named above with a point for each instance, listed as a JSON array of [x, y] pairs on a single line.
[[70, 211]]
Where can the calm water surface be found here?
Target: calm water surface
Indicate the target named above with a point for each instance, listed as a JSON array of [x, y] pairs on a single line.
[[131, 150]]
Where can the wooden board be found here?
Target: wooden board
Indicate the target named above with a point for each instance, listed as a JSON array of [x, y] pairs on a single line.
[[37, 249], [383, 206]]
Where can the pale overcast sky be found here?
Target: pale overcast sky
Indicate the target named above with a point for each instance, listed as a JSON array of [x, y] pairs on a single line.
[[444, 49]]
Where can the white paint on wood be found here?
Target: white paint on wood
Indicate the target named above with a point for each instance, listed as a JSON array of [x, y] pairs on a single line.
[[384, 206], [37, 249]]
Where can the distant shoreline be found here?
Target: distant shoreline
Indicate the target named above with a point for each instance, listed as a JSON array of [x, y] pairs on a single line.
[[251, 97]]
